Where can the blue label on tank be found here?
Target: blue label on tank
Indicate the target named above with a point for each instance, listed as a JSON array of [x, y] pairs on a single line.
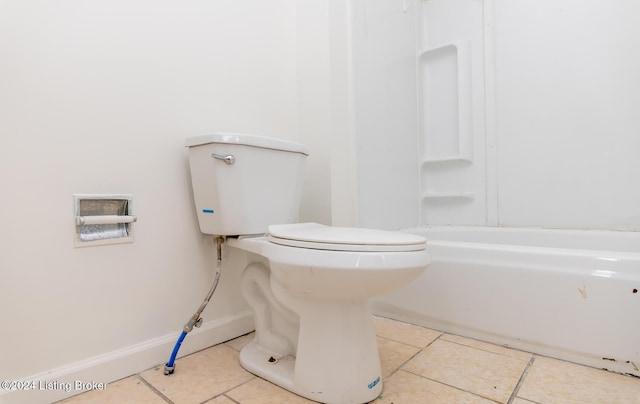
[[207, 211], [373, 383]]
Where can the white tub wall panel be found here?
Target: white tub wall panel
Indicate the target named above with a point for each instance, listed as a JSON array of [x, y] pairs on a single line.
[[561, 122], [384, 51], [451, 113], [567, 92], [451, 194], [342, 135]]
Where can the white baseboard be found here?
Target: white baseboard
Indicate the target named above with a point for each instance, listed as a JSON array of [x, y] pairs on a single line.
[[60, 383]]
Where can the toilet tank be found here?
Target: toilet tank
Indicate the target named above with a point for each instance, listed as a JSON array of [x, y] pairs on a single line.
[[244, 183]]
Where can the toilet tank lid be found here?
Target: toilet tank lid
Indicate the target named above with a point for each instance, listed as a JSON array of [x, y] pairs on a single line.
[[264, 142], [318, 236]]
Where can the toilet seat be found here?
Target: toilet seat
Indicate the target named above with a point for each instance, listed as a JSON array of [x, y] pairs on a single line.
[[320, 237]]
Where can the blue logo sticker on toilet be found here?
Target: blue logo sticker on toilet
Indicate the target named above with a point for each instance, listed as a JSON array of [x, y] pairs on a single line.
[[373, 383], [207, 211]]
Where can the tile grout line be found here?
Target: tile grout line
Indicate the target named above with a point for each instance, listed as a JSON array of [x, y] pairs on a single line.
[[442, 333], [453, 387], [208, 400], [224, 393], [491, 352], [483, 349], [227, 397], [158, 392], [412, 356], [522, 379], [437, 381]]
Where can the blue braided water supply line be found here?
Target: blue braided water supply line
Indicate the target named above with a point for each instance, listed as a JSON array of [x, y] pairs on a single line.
[[169, 366], [196, 320]]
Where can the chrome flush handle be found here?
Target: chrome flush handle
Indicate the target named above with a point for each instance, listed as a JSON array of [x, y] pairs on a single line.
[[228, 159]]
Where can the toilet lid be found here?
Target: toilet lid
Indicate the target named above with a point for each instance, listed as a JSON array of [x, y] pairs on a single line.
[[321, 237]]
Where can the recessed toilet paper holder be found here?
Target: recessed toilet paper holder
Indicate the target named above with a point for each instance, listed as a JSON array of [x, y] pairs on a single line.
[[103, 219]]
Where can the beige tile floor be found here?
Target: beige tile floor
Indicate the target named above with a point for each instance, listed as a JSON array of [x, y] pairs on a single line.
[[418, 365]]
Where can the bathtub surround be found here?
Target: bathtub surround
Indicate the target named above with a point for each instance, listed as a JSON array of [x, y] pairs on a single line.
[[493, 113]]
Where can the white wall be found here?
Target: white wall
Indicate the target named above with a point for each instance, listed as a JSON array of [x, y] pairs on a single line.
[[313, 103], [98, 97]]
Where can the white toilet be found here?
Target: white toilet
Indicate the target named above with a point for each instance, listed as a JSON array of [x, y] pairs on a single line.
[[308, 284]]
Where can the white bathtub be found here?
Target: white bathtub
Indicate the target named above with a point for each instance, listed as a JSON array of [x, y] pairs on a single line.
[[573, 295]]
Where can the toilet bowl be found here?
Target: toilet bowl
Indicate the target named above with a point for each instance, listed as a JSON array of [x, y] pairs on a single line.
[[309, 286]]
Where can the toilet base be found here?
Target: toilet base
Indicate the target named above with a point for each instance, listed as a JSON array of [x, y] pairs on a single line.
[[336, 361], [260, 362], [280, 372]]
